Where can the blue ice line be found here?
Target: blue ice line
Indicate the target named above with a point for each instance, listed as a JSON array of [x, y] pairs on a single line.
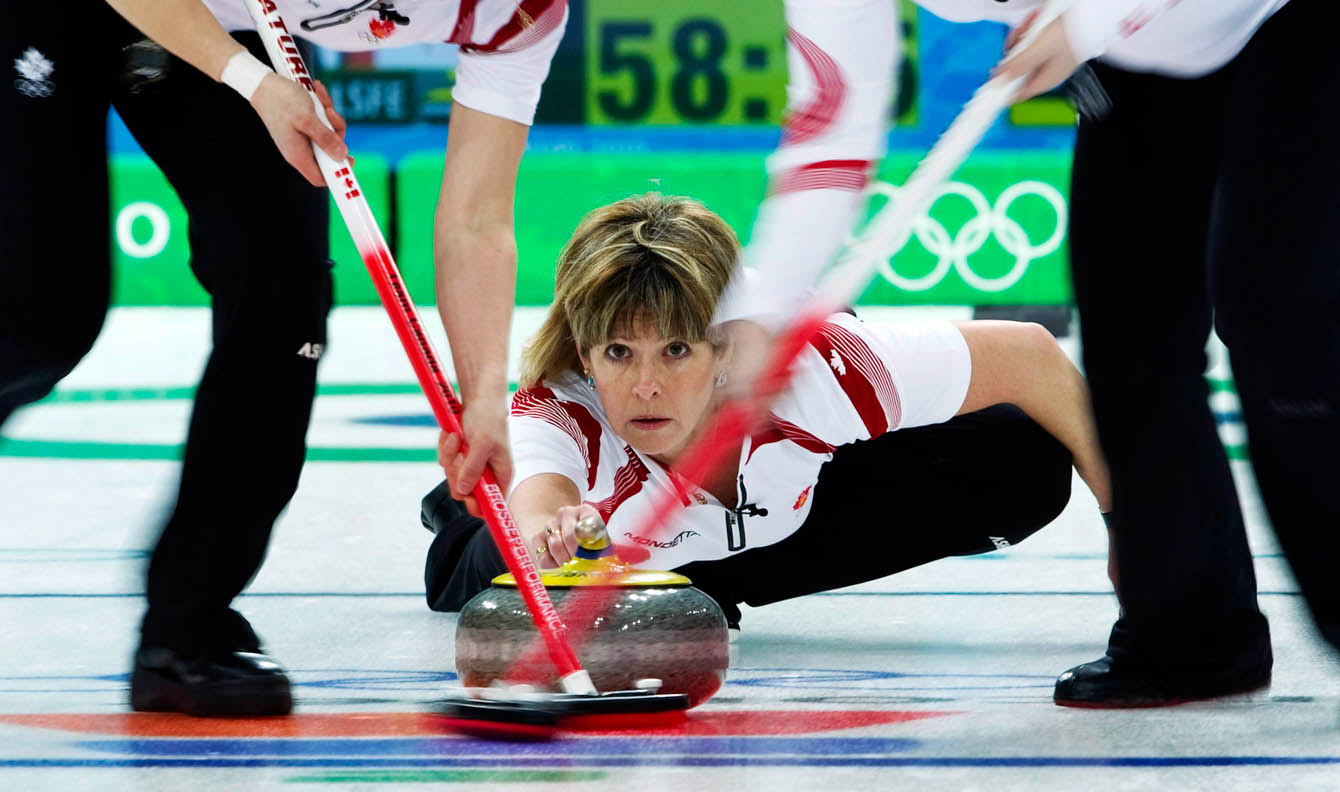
[[420, 747], [845, 674], [419, 594], [1000, 594], [427, 419], [706, 761], [991, 556]]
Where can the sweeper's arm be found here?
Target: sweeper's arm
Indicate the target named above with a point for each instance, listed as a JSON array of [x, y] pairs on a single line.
[[475, 260], [1020, 363], [187, 29]]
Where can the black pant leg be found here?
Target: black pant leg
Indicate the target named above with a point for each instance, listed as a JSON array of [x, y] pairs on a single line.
[[976, 483], [1275, 269], [1142, 187], [259, 245], [55, 257], [463, 558]]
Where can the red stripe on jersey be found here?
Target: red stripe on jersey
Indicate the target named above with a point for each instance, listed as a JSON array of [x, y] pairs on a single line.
[[851, 175], [863, 377], [547, 16], [573, 418], [627, 483], [778, 430], [533, 20], [813, 119]]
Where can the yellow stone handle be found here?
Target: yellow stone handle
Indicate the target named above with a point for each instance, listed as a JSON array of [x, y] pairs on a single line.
[[591, 533]]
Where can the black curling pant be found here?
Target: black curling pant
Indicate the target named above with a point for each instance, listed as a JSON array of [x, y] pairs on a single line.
[[258, 234], [1215, 200], [970, 485]]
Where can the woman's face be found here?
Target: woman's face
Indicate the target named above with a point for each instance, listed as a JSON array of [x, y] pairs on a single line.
[[656, 391]]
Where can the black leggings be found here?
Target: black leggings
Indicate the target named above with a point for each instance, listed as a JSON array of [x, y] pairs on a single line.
[[259, 238], [1215, 200], [978, 482]]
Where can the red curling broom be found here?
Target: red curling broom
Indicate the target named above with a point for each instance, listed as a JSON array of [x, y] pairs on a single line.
[[526, 715]]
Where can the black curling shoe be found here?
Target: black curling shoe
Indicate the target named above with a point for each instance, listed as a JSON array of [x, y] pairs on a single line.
[[1105, 684], [219, 684]]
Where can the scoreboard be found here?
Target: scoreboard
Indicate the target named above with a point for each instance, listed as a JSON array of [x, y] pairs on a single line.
[[694, 61], [690, 61], [684, 62]]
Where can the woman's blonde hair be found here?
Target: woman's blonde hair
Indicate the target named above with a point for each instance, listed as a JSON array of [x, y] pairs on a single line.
[[647, 261]]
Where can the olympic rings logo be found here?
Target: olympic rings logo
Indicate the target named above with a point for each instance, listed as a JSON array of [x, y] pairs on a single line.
[[988, 221]]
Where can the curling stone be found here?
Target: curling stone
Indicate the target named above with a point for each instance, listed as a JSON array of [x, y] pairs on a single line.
[[657, 626]]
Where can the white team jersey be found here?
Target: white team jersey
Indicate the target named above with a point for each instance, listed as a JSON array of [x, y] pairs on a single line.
[[506, 45], [856, 381], [1179, 38]]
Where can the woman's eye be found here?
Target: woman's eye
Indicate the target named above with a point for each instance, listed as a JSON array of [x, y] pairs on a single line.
[[678, 349], [616, 351]]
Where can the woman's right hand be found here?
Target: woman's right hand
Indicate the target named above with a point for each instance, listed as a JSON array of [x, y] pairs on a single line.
[[290, 116], [559, 536]]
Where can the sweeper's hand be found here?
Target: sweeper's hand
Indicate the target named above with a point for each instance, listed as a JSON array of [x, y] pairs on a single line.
[[485, 425], [450, 459], [290, 117], [1047, 62]]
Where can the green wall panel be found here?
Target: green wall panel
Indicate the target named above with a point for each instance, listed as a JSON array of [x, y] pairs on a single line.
[[554, 190], [150, 251], [996, 234], [149, 247]]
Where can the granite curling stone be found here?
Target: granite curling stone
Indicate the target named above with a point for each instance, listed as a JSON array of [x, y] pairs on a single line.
[[657, 626]]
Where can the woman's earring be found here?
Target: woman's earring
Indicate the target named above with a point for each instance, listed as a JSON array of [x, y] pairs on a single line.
[[590, 381], [721, 380]]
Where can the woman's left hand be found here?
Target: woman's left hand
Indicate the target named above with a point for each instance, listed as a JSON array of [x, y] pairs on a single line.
[[1046, 63]]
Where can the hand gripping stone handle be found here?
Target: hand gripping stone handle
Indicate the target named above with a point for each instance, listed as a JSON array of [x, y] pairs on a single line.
[[446, 406]]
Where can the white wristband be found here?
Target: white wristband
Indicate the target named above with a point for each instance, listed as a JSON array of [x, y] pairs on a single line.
[[244, 74]]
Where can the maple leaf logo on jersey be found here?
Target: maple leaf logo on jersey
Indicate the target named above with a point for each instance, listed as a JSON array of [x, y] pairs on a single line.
[[34, 70], [804, 496], [835, 360]]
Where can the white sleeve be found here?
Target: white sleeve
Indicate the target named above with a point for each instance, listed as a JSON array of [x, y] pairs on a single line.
[[858, 381], [1093, 27], [545, 440], [841, 57], [506, 83]]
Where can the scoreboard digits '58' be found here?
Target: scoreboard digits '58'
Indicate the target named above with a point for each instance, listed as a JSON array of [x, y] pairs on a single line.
[[690, 62]]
